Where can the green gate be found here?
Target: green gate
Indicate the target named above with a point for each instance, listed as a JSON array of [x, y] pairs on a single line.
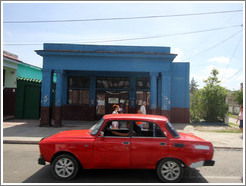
[[28, 99]]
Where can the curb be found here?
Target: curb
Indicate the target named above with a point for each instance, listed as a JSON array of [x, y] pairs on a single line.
[[228, 148], [28, 142], [35, 142]]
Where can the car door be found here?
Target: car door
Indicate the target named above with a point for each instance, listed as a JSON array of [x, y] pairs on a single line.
[[148, 146], [112, 151]]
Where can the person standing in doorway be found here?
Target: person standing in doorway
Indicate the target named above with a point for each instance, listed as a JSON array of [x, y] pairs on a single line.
[[143, 108], [115, 124], [116, 109], [121, 108], [143, 111]]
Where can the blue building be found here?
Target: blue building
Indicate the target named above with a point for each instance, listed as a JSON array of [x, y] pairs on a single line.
[[92, 78]]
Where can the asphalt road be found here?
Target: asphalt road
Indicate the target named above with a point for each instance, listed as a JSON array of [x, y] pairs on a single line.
[[20, 166]]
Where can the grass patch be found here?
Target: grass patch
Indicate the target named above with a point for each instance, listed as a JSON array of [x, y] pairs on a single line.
[[228, 131], [232, 115], [233, 124]]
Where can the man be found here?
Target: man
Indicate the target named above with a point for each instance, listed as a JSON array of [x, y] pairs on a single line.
[[143, 111], [124, 134], [143, 108], [121, 108]]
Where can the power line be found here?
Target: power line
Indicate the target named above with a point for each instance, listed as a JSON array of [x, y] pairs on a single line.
[[121, 18], [214, 45], [205, 39], [140, 38], [240, 39], [231, 76]]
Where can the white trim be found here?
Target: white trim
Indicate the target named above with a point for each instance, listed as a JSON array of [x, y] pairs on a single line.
[[11, 60], [202, 147], [197, 164]]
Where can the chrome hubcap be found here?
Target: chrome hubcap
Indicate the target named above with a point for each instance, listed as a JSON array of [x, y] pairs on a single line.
[[64, 167], [170, 170]]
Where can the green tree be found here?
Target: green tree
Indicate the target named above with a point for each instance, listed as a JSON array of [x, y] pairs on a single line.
[[213, 99], [195, 106], [208, 104], [193, 86], [238, 97]]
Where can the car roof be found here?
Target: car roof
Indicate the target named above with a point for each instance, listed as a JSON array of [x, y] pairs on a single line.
[[135, 117]]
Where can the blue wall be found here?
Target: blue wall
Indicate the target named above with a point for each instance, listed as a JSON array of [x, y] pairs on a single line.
[[180, 85], [120, 61]]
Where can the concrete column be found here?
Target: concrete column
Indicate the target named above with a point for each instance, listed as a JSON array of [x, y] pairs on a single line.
[[46, 97], [92, 91], [92, 98], [132, 95], [59, 98], [153, 91], [166, 94], [159, 95], [64, 88]]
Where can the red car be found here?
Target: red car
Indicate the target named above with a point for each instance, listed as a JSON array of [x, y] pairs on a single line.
[[126, 141]]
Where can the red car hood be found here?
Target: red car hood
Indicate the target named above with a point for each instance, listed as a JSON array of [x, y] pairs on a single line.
[[73, 134], [189, 137]]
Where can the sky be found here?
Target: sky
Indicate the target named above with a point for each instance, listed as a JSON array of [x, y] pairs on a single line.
[[212, 48]]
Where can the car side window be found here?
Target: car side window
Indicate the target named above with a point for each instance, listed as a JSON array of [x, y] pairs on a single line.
[[148, 129], [117, 128]]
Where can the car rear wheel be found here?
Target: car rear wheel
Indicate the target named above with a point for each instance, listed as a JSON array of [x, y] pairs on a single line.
[[170, 170], [65, 167]]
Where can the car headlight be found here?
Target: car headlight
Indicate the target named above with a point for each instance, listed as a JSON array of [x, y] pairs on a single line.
[[202, 147]]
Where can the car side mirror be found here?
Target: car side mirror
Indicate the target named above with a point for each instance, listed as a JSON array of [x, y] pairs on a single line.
[[101, 134]]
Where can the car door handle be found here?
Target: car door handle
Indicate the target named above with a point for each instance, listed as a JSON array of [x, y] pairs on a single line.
[[162, 143], [125, 142]]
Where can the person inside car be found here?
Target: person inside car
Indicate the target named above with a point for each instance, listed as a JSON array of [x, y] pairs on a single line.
[[124, 134]]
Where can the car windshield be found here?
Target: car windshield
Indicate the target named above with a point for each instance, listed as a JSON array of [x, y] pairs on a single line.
[[172, 130], [95, 128]]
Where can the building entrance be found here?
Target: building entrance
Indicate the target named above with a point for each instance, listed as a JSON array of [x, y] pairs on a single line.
[[106, 99]]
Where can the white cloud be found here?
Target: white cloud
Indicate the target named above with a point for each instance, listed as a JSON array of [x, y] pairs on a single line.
[[220, 60], [225, 76]]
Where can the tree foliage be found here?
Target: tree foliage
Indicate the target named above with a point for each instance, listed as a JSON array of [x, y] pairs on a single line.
[[193, 86], [195, 106], [238, 97], [208, 104]]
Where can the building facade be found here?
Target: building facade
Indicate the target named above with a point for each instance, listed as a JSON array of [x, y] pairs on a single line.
[[22, 88], [92, 78], [10, 64]]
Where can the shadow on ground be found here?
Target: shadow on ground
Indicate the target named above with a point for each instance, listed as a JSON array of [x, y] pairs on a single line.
[[31, 128], [111, 176]]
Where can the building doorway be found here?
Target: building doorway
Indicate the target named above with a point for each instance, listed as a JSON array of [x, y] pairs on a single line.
[[107, 98]]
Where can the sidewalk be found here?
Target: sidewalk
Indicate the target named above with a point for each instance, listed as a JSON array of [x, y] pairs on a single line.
[[29, 132]]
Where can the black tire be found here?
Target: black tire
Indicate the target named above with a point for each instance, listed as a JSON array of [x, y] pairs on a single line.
[[170, 170], [65, 167]]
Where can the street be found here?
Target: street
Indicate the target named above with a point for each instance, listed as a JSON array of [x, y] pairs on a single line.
[[20, 166]]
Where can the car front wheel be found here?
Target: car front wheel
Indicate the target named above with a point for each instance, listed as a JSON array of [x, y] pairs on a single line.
[[170, 170], [65, 167]]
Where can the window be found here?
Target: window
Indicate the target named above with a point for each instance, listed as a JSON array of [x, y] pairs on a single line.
[[95, 128], [78, 90], [117, 129], [143, 83], [113, 83], [172, 130], [78, 96], [78, 82], [147, 129]]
